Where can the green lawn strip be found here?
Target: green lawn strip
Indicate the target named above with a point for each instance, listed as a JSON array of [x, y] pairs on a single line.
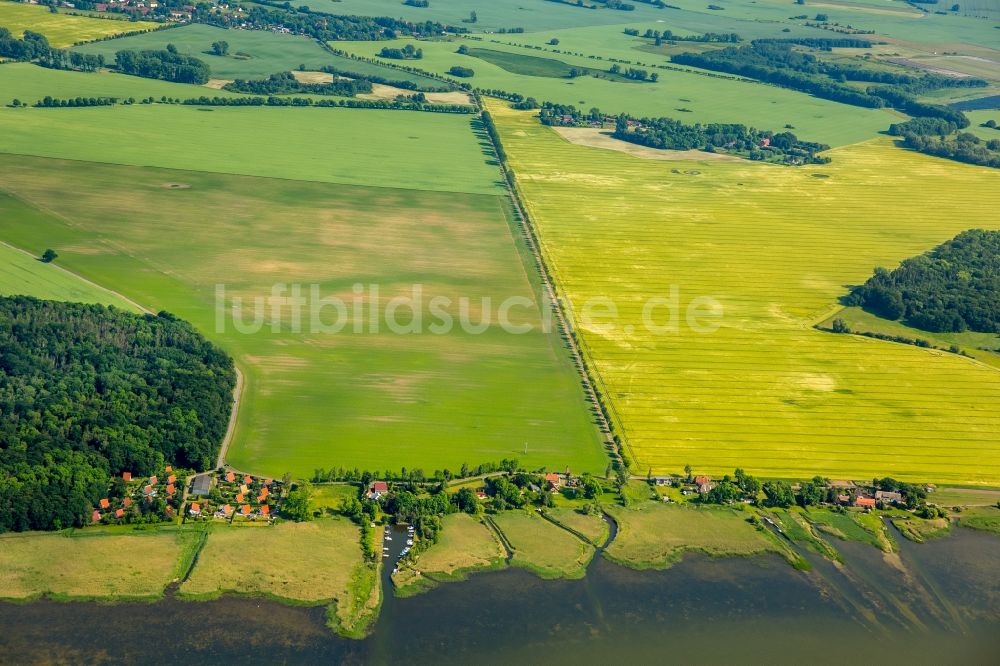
[[986, 520], [591, 527], [656, 536], [542, 547]]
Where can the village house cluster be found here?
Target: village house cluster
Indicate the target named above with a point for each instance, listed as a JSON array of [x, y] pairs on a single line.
[[230, 496], [134, 499]]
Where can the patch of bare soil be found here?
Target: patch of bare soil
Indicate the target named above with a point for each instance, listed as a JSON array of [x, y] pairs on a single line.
[[595, 137]]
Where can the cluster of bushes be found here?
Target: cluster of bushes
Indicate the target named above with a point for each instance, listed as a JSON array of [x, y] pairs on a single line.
[[404, 475], [462, 72], [167, 65], [286, 83], [408, 52], [670, 134], [841, 326], [633, 73], [668, 36], [953, 288], [964, 147], [141, 390]]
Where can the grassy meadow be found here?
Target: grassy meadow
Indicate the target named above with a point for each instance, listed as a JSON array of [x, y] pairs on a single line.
[[776, 248], [60, 29], [466, 545], [591, 526], [272, 561], [95, 564], [375, 400], [543, 548], [655, 536], [688, 95]]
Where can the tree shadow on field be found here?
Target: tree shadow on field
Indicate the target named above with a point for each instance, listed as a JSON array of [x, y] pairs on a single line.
[[485, 145]]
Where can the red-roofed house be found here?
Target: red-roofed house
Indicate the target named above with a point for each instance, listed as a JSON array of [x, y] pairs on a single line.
[[239, 498], [265, 509], [195, 509], [119, 513], [227, 509], [866, 502], [153, 480], [264, 492], [230, 477], [481, 494], [702, 480], [378, 489], [168, 468], [765, 142], [844, 499], [171, 478], [170, 489], [126, 476], [268, 482], [95, 517], [247, 480], [127, 502], [148, 491], [553, 480], [105, 503], [245, 509]]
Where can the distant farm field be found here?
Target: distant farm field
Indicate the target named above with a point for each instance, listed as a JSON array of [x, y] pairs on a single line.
[[776, 248], [401, 149], [689, 96], [252, 53], [63, 30], [372, 399], [23, 275]]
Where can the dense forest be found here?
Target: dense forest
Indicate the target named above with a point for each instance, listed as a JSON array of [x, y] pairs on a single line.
[[285, 83], [168, 65], [88, 392], [955, 287]]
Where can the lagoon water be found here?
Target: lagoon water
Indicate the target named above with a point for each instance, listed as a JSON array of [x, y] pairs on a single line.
[[939, 603]]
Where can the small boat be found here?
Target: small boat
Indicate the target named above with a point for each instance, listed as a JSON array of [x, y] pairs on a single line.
[[409, 542], [388, 538]]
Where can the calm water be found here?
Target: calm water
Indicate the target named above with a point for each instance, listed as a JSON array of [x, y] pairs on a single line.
[[939, 604]]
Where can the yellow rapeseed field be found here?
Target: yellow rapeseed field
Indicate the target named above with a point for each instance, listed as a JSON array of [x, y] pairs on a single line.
[[775, 247]]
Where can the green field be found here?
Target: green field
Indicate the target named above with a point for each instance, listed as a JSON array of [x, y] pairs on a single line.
[[775, 247], [591, 526], [23, 275], [166, 238], [656, 536], [63, 30], [350, 146], [973, 343], [252, 53], [706, 98], [269, 561], [107, 564], [29, 83], [543, 548]]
